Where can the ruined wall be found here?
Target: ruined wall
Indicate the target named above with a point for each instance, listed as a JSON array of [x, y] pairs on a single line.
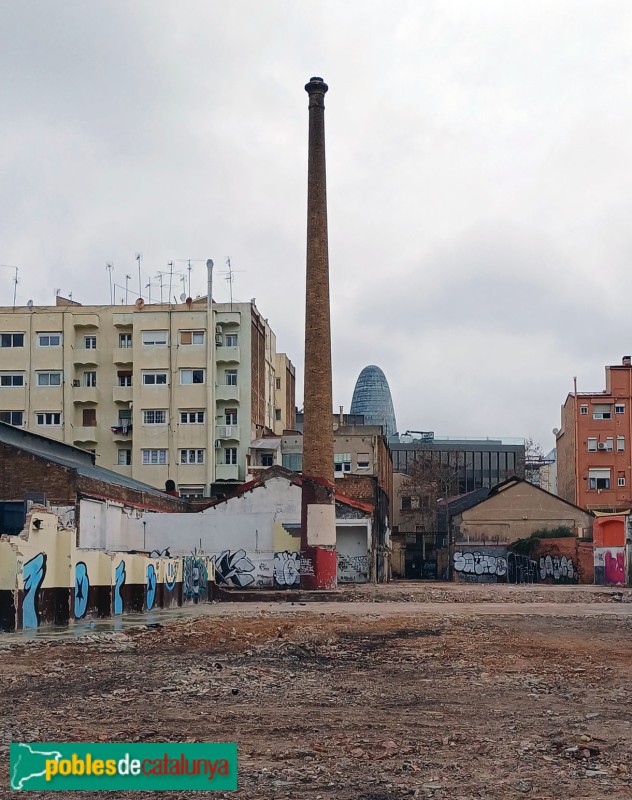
[[45, 579], [558, 561]]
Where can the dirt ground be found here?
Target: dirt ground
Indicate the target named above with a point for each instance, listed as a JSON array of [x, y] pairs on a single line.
[[360, 701]]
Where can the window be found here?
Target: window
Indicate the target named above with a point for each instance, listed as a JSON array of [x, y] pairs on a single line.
[[188, 376], [155, 338], [230, 377], [124, 418], [610, 444], [619, 409], [124, 457], [15, 379], [90, 342], [592, 444], [583, 410], [191, 337], [191, 456], [12, 417], [90, 379], [49, 339], [598, 479], [342, 463], [154, 378], [406, 503], [89, 417], [277, 415], [154, 456], [48, 418], [155, 417], [620, 444], [12, 340], [230, 415], [49, 378], [602, 411], [621, 481], [191, 492], [230, 455], [364, 460], [125, 340], [292, 461], [267, 459], [277, 383], [192, 417], [124, 377], [230, 340]]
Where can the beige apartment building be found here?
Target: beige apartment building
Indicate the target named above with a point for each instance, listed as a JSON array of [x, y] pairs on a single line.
[[157, 392]]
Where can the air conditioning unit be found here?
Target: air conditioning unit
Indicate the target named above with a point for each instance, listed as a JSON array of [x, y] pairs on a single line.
[[76, 383], [218, 442], [602, 446], [219, 339], [218, 329]]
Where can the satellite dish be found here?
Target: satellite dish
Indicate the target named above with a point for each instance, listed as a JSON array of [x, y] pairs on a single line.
[[189, 301], [29, 303], [140, 303], [183, 297], [555, 431]]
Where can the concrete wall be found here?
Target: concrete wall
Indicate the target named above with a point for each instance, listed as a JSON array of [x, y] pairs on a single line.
[[516, 512], [255, 538], [45, 579], [556, 561]]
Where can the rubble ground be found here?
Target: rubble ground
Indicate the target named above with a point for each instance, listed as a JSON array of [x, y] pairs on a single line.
[[351, 702]]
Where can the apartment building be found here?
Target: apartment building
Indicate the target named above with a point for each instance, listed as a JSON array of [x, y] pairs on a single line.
[[156, 392], [594, 443]]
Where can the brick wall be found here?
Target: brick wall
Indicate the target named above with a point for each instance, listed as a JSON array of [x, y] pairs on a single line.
[[581, 553], [22, 472]]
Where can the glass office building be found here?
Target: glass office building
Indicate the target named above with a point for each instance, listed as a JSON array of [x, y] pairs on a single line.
[[372, 399]]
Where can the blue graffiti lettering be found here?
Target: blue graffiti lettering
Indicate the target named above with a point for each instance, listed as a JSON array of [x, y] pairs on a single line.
[[120, 582], [34, 572], [170, 577], [82, 586], [151, 586]]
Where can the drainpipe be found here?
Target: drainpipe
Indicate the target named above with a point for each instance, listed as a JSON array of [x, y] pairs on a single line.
[[210, 379]]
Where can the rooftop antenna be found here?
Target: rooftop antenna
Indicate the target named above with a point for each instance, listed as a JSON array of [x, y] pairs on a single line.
[[109, 267], [230, 277], [15, 280], [127, 280], [160, 274], [148, 287], [139, 258], [189, 262], [170, 265]]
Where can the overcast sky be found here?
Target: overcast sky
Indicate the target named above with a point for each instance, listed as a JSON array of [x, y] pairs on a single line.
[[479, 158]]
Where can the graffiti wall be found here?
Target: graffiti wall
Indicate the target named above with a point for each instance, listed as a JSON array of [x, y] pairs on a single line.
[[45, 579], [480, 564], [610, 566]]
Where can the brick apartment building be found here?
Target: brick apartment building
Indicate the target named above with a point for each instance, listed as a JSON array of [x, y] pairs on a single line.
[[594, 465]]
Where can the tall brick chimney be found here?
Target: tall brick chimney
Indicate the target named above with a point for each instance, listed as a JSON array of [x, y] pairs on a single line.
[[318, 505]]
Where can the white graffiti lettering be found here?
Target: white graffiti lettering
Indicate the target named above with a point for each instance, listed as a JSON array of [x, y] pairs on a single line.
[[557, 568], [480, 564]]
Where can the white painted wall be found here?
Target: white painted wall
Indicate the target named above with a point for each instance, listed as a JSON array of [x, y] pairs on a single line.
[[110, 526]]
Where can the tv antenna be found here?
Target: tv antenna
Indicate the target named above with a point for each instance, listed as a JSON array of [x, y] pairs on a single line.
[[109, 267], [15, 280], [139, 258], [230, 277], [188, 262], [127, 280]]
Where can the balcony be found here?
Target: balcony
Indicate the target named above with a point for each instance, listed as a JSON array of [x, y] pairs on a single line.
[[226, 472], [85, 434], [121, 432], [227, 354], [122, 394], [223, 392], [123, 320], [85, 394], [122, 355], [86, 320], [83, 356], [227, 432]]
